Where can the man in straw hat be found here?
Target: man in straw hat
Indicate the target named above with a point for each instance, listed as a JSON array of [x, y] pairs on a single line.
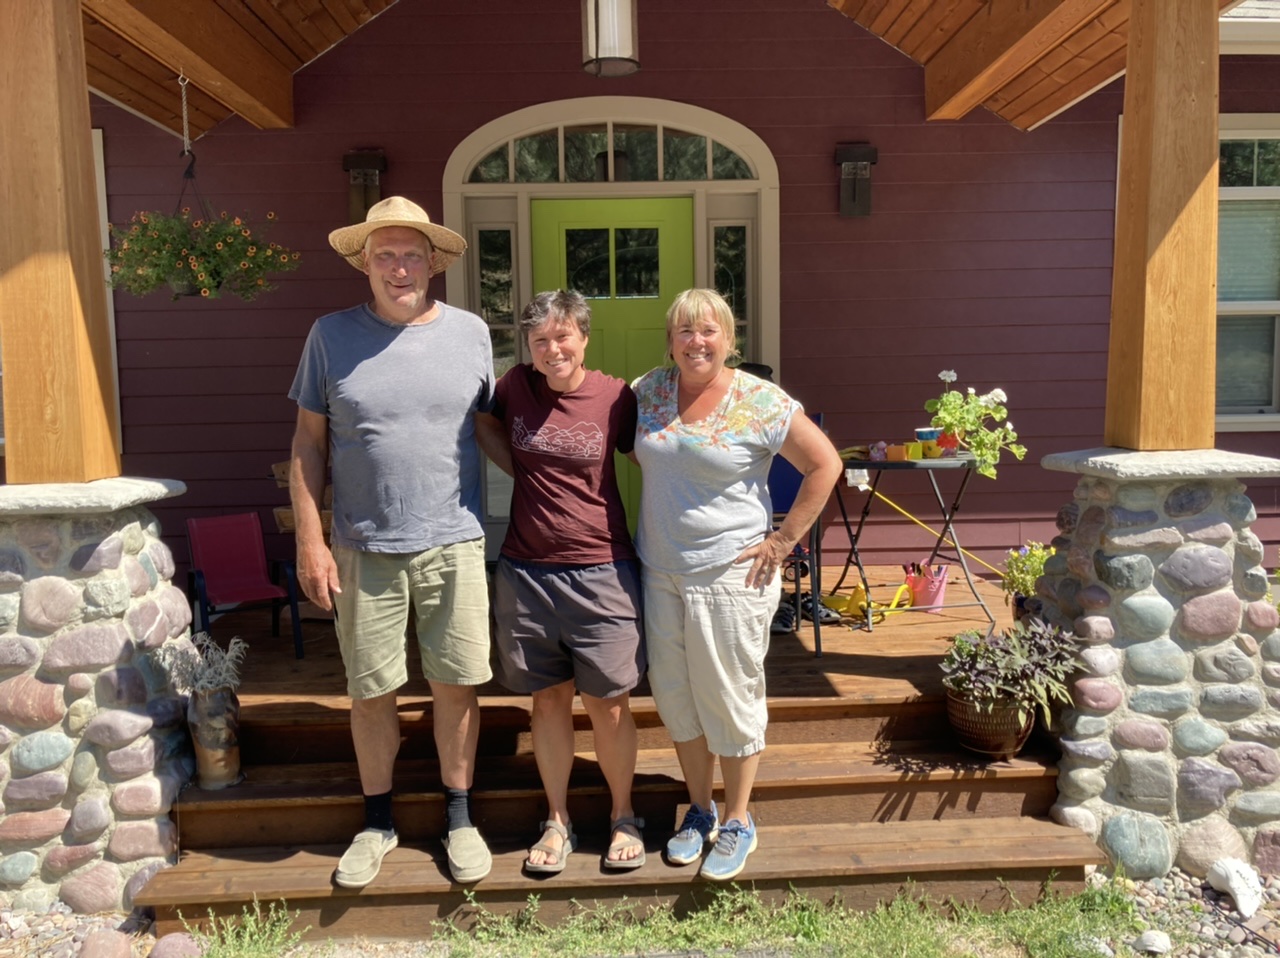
[[386, 395]]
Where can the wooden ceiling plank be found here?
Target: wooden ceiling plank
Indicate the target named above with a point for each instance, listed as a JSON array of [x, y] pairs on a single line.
[[149, 88], [954, 21], [262, 33], [848, 8], [313, 20], [993, 48], [870, 10], [374, 7], [342, 16], [1049, 98], [278, 24], [906, 22], [886, 17], [925, 25], [201, 41], [121, 82]]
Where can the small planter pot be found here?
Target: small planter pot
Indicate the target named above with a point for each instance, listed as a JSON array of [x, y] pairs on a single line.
[[213, 716], [997, 733]]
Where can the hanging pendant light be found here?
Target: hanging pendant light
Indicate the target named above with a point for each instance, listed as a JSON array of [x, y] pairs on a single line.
[[610, 41]]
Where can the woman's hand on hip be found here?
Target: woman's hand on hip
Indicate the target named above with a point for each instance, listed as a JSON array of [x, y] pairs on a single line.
[[766, 559]]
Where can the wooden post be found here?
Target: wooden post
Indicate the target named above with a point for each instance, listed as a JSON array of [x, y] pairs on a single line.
[[55, 349], [1161, 370]]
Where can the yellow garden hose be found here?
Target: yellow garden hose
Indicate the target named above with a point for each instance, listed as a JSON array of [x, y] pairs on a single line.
[[898, 508]]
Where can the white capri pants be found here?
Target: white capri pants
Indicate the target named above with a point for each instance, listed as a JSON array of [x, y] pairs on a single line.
[[707, 635]]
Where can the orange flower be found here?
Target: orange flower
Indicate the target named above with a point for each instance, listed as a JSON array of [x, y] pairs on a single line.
[[200, 276], [217, 245], [261, 281], [284, 258], [244, 264], [271, 216], [244, 232], [236, 221], [115, 269], [204, 292]]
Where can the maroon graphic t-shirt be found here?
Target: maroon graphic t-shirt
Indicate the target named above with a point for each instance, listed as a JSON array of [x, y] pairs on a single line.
[[566, 507]]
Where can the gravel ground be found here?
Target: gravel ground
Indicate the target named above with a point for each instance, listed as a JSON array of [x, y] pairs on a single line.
[[1201, 923]]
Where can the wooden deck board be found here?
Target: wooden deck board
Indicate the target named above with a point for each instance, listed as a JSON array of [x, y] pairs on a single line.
[[784, 852]]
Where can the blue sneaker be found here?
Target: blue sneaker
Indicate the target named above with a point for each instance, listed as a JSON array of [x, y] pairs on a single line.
[[729, 857], [699, 827]]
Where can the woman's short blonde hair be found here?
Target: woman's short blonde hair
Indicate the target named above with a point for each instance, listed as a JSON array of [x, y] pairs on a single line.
[[690, 306]]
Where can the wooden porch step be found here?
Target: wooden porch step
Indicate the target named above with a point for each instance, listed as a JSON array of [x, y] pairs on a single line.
[[275, 731], [965, 860], [798, 783]]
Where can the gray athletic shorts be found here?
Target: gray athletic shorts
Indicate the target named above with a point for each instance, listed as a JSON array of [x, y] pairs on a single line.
[[558, 623]]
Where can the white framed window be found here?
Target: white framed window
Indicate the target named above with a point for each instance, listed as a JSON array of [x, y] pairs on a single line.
[[1248, 351]]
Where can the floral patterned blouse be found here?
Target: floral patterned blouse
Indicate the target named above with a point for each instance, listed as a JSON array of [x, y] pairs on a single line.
[[704, 496]]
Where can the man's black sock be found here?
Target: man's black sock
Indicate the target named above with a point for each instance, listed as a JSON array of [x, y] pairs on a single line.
[[457, 807], [377, 812]]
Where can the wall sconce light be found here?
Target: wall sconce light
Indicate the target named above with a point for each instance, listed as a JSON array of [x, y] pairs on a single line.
[[855, 161], [610, 40], [364, 186]]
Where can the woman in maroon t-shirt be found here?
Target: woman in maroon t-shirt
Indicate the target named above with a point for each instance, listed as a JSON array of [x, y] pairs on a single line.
[[567, 595]]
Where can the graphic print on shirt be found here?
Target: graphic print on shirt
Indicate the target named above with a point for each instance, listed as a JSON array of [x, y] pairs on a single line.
[[582, 440]]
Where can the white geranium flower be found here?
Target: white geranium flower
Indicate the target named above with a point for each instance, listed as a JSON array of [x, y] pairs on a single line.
[[1008, 424], [947, 375], [999, 396]]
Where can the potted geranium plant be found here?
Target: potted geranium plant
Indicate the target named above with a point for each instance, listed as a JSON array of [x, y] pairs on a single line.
[[194, 255], [996, 683], [978, 422], [209, 675], [1022, 567]]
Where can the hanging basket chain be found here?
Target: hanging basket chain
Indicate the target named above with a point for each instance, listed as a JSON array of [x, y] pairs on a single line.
[[189, 174]]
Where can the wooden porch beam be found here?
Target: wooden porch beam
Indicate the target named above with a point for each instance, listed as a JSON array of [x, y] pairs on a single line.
[[1161, 366], [996, 45], [200, 40], [55, 345]]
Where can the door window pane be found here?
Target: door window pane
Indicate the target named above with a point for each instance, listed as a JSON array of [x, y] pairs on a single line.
[[494, 259], [586, 154], [728, 165], [538, 158], [637, 263], [1246, 362], [1249, 250], [504, 348], [1268, 163], [635, 153], [730, 259], [1235, 162], [684, 156], [586, 257], [492, 169]]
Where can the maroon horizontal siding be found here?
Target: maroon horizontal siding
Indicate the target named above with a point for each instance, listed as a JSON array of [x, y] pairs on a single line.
[[988, 250]]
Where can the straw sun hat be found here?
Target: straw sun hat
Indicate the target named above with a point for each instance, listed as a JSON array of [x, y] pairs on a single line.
[[397, 211]]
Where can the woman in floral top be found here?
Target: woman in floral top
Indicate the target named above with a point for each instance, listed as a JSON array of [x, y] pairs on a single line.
[[705, 439]]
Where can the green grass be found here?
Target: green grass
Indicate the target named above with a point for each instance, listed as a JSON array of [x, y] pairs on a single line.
[[733, 921], [736, 920]]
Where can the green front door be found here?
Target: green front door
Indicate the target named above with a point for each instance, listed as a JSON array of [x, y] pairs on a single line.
[[629, 257]]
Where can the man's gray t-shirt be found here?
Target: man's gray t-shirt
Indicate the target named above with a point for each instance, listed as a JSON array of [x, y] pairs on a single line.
[[400, 402]]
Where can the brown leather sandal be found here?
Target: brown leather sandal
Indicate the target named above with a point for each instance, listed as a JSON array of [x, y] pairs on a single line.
[[631, 841], [569, 842]]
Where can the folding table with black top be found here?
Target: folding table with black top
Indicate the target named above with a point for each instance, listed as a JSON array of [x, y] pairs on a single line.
[[962, 464]]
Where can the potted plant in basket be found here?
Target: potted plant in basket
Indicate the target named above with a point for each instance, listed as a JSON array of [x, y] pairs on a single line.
[[1022, 567], [194, 255], [976, 422], [996, 683], [209, 675]]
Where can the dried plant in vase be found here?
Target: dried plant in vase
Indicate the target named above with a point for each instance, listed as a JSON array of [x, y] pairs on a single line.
[[209, 675]]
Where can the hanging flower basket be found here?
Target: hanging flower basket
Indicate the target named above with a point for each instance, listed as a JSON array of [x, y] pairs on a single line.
[[194, 256]]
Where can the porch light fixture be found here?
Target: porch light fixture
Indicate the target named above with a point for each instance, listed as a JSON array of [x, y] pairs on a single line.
[[855, 161], [610, 40]]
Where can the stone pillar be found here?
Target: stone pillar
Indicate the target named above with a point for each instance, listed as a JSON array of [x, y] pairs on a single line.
[[93, 749], [1169, 755]]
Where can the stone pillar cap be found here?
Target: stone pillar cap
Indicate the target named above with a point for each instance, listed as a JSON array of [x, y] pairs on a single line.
[[1129, 464], [85, 498]]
